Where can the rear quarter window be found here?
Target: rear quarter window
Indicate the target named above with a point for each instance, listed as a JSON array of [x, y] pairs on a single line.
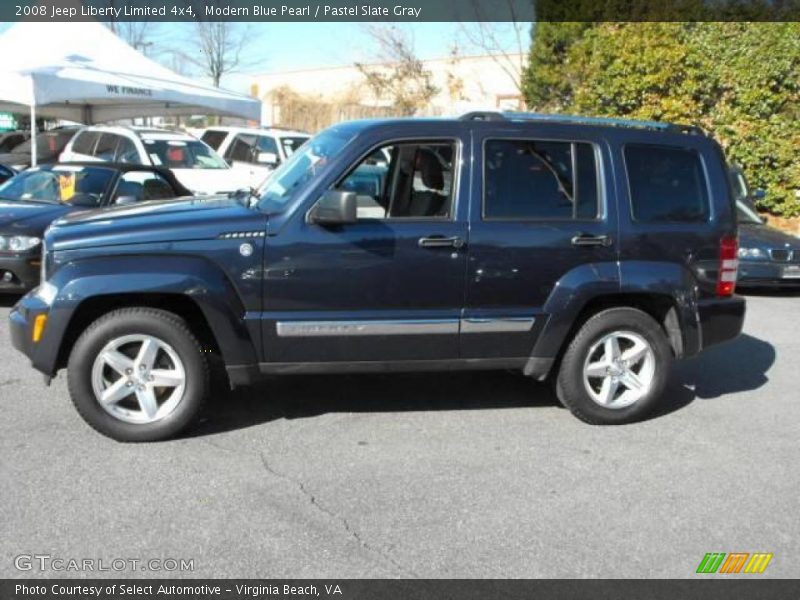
[[667, 184]]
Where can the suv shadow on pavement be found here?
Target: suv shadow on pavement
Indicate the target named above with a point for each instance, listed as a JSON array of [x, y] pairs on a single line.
[[738, 366]]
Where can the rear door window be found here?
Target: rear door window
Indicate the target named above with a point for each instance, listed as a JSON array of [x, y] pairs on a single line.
[[106, 148], [127, 152], [214, 138], [667, 184], [540, 180], [242, 148], [84, 142]]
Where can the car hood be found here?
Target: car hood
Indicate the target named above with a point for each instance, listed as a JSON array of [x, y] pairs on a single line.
[[212, 181], [180, 219], [753, 235], [15, 158], [28, 218]]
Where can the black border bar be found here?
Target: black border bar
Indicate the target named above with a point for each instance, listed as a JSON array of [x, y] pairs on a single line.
[[399, 10], [700, 588]]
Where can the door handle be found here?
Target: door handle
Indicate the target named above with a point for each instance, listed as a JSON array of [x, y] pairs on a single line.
[[440, 241], [587, 239]]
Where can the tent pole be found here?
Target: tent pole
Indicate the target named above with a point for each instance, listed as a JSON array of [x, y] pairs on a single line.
[[33, 133]]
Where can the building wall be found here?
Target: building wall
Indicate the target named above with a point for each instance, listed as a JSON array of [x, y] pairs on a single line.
[[464, 84]]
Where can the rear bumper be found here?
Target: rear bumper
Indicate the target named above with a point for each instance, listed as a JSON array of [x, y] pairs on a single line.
[[720, 319], [758, 274], [24, 271]]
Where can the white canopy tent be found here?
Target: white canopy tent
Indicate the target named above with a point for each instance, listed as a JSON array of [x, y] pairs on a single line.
[[82, 72]]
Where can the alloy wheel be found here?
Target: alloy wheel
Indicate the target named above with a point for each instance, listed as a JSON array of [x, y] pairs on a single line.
[[619, 369], [138, 378]]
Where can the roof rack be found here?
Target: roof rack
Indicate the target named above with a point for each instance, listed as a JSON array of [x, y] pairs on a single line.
[[578, 120]]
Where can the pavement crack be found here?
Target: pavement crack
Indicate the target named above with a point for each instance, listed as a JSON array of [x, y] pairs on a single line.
[[343, 522]]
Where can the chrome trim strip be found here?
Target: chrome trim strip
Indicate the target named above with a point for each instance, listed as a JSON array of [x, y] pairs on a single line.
[[351, 328], [497, 325], [403, 327]]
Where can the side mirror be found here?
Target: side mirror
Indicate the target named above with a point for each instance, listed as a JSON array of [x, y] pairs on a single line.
[[267, 158], [764, 219], [758, 194], [125, 200], [336, 207]]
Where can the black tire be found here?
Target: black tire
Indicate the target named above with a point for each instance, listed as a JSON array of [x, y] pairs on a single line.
[[570, 387], [165, 326]]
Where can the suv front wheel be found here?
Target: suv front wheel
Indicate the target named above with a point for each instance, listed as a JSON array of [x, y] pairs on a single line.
[[138, 375], [616, 368]]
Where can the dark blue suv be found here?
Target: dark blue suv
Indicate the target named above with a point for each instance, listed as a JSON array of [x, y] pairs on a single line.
[[590, 252]]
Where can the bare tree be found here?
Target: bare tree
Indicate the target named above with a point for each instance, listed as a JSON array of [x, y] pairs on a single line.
[[401, 77], [506, 42], [136, 33], [220, 48]]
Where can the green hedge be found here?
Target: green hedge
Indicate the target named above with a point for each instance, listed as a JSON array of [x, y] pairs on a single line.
[[740, 81]]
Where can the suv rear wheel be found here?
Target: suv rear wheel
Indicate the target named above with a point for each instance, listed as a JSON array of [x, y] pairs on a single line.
[[138, 375], [616, 367]]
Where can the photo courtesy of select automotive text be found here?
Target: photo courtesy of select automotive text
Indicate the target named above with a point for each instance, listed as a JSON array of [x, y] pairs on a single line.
[[399, 299]]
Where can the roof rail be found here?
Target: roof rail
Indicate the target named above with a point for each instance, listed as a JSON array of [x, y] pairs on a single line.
[[579, 120]]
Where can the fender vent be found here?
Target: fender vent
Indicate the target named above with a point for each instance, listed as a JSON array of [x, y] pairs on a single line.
[[242, 234]]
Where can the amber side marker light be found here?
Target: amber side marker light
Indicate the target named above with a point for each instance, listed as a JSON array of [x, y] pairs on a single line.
[[38, 327]]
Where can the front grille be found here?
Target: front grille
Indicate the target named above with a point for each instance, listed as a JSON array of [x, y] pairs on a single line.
[[780, 254]]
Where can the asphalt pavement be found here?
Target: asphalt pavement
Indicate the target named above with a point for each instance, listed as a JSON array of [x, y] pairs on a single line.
[[418, 475]]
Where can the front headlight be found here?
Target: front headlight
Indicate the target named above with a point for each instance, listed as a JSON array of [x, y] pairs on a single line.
[[752, 253], [18, 243]]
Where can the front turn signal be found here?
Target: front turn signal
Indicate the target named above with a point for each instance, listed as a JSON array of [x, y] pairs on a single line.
[[38, 327]]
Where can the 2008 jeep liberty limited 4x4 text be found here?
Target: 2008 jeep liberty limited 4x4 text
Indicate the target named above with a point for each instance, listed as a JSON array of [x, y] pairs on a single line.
[[588, 251]]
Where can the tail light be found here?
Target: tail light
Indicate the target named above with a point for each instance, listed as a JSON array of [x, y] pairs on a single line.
[[728, 265]]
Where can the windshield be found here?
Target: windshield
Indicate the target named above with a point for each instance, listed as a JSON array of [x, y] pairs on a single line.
[[287, 180], [80, 186], [183, 154], [290, 144], [745, 214]]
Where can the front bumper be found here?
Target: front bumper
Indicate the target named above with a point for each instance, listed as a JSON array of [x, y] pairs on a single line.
[[24, 269], [42, 354], [720, 319], [763, 273]]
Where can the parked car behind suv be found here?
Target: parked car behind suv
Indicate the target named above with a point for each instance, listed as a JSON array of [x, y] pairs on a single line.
[[591, 252], [49, 146], [195, 165], [254, 151], [31, 200]]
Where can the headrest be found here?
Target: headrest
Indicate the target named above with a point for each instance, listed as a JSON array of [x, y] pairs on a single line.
[[431, 169]]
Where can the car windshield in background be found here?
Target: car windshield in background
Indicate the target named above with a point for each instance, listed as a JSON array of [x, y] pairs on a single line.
[[284, 183], [62, 184], [183, 154], [745, 214], [48, 144], [290, 144]]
